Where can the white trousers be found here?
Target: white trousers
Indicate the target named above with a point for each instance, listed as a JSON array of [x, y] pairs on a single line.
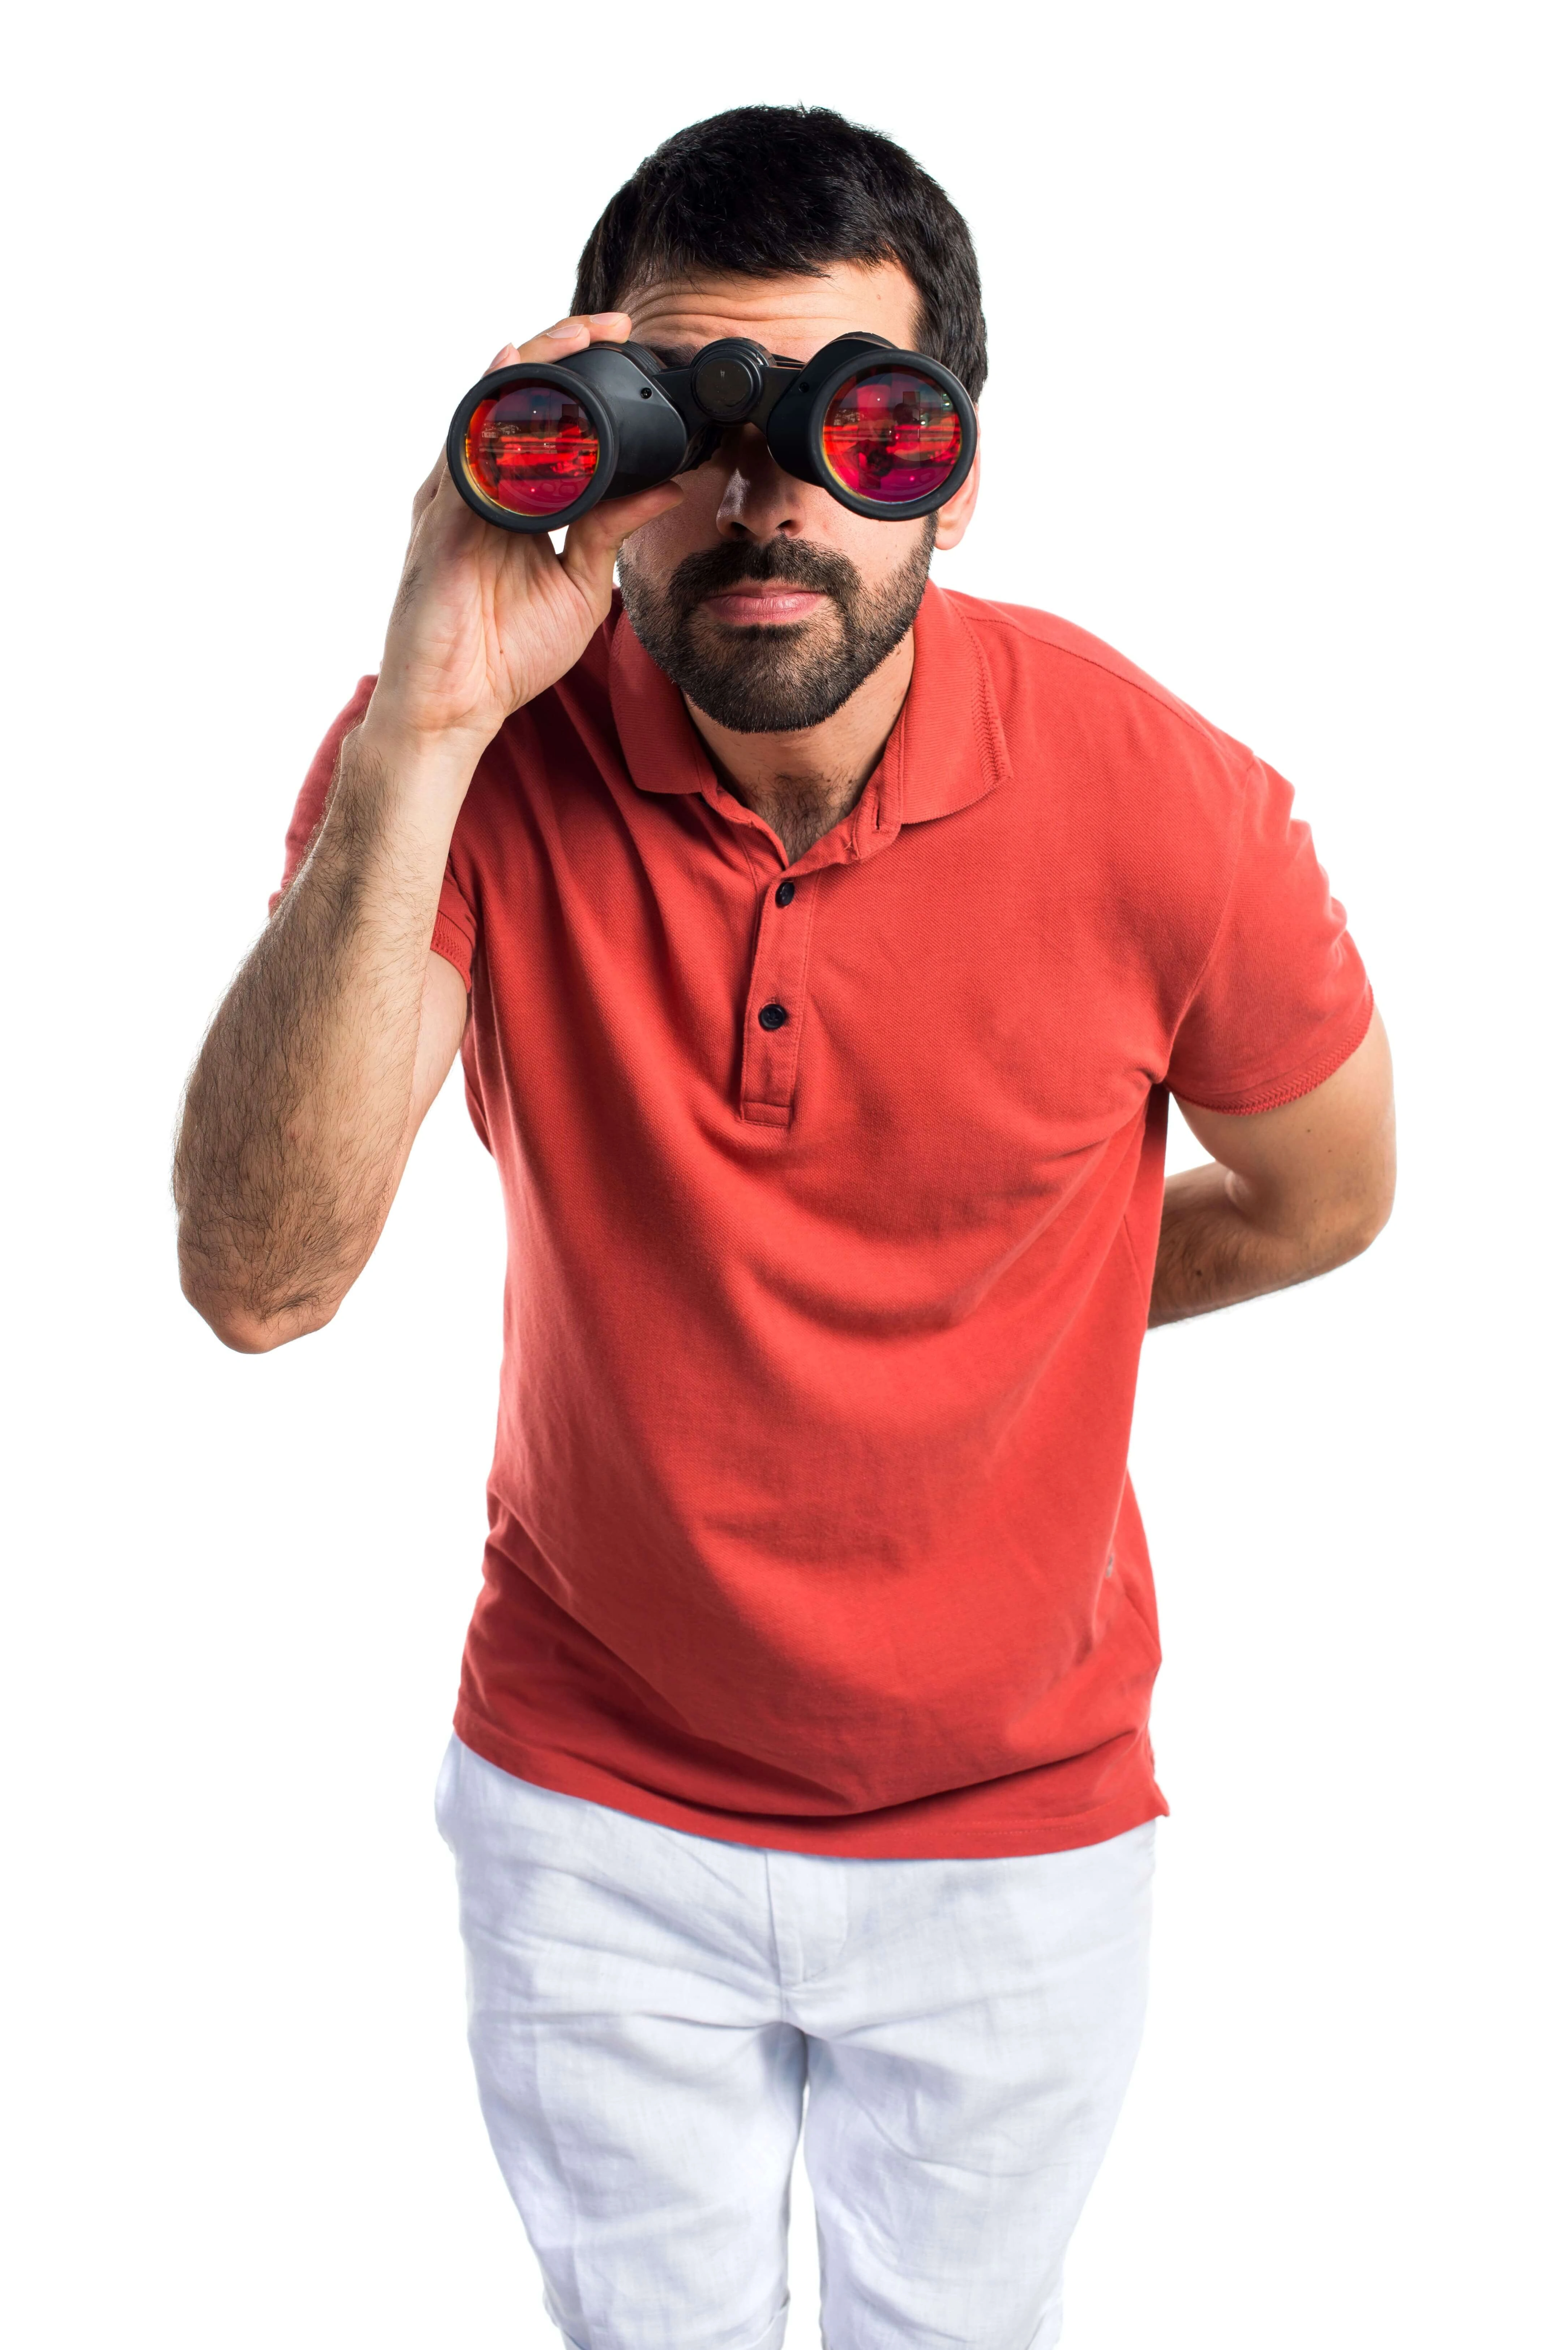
[[647, 2011]]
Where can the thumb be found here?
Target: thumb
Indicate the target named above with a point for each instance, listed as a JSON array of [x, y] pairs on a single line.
[[591, 546]]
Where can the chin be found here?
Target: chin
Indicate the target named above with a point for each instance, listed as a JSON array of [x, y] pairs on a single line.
[[765, 705]]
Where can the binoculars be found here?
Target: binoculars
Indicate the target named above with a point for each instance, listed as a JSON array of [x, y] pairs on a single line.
[[889, 434]]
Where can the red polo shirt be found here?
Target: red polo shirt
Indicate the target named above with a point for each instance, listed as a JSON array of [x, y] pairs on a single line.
[[832, 1195]]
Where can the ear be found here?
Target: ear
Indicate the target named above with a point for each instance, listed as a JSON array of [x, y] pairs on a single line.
[[953, 519]]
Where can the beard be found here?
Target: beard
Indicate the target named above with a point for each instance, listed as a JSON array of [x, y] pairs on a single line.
[[775, 679]]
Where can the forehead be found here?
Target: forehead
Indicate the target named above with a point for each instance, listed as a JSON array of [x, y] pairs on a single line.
[[791, 316]]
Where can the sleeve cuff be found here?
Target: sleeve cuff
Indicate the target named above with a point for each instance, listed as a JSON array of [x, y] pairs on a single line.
[[448, 941], [1273, 1093]]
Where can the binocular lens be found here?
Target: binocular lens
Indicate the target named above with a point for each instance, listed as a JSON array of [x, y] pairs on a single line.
[[891, 435], [532, 451]]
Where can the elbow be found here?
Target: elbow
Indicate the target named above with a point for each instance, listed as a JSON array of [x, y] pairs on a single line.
[[250, 1333], [261, 1334], [245, 1329], [1359, 1231]]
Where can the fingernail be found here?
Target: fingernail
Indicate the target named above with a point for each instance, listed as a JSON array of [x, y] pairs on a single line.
[[565, 332], [606, 317]]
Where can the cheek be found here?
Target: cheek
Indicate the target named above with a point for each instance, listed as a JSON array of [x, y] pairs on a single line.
[[880, 551], [661, 544]]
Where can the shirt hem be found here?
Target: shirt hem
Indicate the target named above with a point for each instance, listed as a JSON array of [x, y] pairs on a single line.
[[851, 1836]]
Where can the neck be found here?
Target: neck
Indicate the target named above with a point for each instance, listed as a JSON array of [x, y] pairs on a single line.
[[804, 783]]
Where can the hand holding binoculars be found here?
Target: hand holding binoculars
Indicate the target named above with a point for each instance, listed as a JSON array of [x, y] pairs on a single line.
[[889, 434]]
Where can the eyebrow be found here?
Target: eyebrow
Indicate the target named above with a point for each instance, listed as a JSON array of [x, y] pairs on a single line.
[[673, 355]]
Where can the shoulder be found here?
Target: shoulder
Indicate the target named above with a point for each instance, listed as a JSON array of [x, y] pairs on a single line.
[[1049, 671], [1139, 800]]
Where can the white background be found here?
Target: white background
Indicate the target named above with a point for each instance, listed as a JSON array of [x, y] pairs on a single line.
[[1270, 410]]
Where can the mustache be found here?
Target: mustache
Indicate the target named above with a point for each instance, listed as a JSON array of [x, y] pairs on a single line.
[[778, 562]]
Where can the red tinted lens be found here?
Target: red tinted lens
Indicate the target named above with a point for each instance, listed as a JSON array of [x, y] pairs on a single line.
[[532, 451], [891, 435]]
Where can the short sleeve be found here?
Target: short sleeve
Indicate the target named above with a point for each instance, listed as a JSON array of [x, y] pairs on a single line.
[[454, 934], [1283, 998]]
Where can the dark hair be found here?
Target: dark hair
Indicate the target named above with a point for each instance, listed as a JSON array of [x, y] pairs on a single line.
[[774, 190]]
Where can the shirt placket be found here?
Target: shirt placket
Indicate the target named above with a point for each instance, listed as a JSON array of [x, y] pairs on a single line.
[[773, 1018], [776, 1001]]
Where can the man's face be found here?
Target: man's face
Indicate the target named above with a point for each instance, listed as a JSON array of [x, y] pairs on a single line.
[[765, 600]]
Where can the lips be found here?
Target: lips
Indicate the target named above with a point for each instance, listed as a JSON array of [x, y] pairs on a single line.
[[762, 606]]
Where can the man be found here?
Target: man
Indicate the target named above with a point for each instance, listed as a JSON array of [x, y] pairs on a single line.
[[822, 950]]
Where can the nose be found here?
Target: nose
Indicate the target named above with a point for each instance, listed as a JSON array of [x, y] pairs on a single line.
[[760, 500]]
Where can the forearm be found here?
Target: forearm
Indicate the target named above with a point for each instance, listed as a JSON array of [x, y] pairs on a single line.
[[1221, 1243], [296, 1120]]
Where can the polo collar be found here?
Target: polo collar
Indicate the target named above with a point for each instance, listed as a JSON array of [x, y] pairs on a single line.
[[947, 749]]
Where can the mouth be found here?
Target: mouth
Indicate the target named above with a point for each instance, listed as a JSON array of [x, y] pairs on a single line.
[[759, 606]]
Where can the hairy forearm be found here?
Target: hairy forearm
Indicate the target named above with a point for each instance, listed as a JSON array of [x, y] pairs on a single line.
[[1221, 1242], [297, 1118]]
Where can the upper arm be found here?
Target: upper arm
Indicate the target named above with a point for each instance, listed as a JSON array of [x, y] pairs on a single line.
[[1281, 1001], [443, 1016], [1321, 1164]]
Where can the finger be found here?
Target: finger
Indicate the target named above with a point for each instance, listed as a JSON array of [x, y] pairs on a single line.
[[591, 546], [430, 487], [427, 489], [574, 334]]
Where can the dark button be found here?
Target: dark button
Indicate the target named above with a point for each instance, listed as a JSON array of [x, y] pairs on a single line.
[[771, 1015], [783, 893]]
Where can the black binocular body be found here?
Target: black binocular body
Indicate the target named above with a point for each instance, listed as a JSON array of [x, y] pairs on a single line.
[[889, 434]]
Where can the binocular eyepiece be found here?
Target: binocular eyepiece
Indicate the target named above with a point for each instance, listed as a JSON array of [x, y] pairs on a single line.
[[889, 434]]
